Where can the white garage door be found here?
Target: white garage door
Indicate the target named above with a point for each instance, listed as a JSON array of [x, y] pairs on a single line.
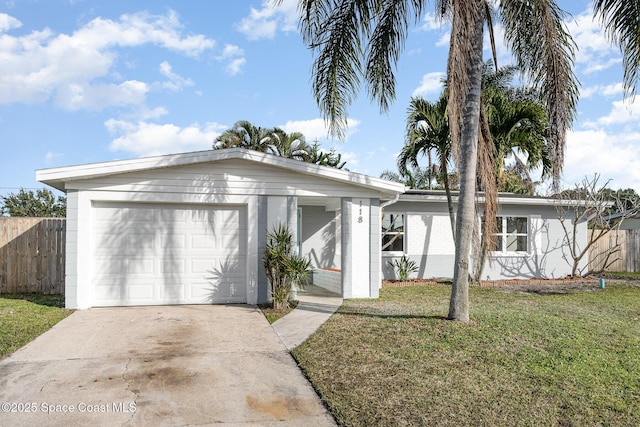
[[155, 254]]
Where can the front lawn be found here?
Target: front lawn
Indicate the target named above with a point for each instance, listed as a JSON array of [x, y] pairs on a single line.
[[568, 359], [24, 317]]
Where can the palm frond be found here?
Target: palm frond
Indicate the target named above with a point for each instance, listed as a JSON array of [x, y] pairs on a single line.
[[621, 21], [386, 44], [541, 44]]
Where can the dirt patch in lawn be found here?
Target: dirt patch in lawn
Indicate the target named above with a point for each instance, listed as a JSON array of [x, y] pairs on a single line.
[[544, 286], [533, 286]]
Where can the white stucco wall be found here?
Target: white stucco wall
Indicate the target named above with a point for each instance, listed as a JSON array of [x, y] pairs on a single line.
[[430, 244]]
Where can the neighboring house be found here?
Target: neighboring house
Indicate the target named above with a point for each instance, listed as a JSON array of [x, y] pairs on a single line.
[[631, 220], [191, 228]]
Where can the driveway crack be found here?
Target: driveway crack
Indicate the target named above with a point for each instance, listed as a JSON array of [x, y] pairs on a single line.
[[128, 389]]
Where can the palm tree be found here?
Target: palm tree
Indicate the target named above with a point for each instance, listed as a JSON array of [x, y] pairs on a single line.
[[427, 132], [331, 158], [518, 124], [416, 178], [354, 39], [621, 21], [291, 145], [244, 134]]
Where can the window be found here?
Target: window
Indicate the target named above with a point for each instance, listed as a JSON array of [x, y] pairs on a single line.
[[512, 235], [392, 232]]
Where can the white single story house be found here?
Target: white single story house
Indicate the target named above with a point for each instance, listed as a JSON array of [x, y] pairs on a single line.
[[530, 238], [191, 229]]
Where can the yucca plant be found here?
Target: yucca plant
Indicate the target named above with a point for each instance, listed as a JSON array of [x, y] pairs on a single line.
[[283, 267], [404, 267]]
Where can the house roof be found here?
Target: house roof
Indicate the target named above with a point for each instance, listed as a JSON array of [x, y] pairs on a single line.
[[58, 177], [503, 198]]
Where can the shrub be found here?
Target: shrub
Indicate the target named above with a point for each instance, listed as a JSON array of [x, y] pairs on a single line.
[[404, 267], [283, 267]]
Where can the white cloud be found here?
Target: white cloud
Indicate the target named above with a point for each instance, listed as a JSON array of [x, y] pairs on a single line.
[[602, 90], [145, 113], [97, 97], [613, 156], [352, 159], [431, 84], [431, 23], [148, 139], [141, 28], [51, 156], [594, 67], [8, 22], [317, 128], [175, 82], [235, 66], [263, 23], [444, 40], [40, 65], [595, 52], [235, 57], [621, 112], [502, 51]]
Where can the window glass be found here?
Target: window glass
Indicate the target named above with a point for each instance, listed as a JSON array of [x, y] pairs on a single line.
[[512, 234], [392, 232], [516, 225]]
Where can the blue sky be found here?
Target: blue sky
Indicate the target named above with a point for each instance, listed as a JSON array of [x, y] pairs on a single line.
[[87, 81]]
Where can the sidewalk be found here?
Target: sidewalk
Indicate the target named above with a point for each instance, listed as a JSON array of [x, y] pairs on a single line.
[[315, 307]]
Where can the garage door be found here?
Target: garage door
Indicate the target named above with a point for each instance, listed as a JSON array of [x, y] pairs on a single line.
[[156, 254]]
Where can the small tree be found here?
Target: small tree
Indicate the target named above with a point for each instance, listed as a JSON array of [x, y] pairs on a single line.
[[42, 203], [591, 203], [283, 267]]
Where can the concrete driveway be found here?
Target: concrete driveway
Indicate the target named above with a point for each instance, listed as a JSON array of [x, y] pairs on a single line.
[[176, 365]]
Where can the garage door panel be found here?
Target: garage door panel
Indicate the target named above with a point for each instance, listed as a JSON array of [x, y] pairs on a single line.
[[173, 215], [140, 292], [168, 254], [173, 267], [136, 214], [141, 266], [170, 292], [177, 241], [218, 267]]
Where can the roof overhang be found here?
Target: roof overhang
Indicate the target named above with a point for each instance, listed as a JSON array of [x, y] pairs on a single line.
[[59, 177], [503, 198]]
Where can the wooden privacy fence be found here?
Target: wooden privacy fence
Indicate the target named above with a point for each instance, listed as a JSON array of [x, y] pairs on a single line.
[[32, 255], [626, 259]]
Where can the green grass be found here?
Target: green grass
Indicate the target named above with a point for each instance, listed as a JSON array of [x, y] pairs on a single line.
[[526, 359], [272, 314], [24, 317]]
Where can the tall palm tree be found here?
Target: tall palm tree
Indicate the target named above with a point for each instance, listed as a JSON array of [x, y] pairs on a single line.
[[354, 39], [428, 132], [518, 124]]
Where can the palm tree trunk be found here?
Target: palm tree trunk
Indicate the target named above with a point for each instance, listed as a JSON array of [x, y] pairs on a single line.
[[459, 303]]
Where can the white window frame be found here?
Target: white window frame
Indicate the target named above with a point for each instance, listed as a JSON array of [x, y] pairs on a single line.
[[403, 233], [503, 236]]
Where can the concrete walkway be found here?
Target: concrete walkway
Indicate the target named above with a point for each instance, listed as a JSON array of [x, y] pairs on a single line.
[[315, 307], [155, 366]]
